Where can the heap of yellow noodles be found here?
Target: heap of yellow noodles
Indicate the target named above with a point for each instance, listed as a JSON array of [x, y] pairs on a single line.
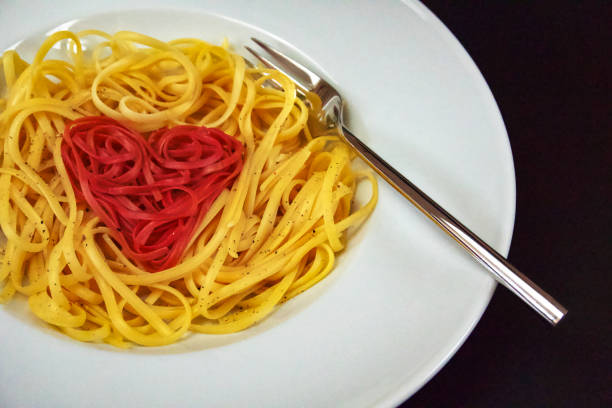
[[269, 238]]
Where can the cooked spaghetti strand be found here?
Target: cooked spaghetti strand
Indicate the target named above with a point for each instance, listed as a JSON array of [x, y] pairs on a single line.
[[107, 159]]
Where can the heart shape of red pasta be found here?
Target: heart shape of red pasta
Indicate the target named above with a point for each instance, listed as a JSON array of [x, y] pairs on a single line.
[[152, 193]]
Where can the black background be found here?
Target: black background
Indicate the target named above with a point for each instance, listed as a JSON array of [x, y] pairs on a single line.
[[548, 66]]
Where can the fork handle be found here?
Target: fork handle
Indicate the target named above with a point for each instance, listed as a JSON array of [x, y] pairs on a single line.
[[504, 272]]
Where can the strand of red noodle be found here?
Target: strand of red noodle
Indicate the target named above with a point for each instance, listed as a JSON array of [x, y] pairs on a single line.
[[151, 193]]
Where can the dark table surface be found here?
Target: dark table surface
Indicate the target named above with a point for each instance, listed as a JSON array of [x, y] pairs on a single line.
[[548, 66]]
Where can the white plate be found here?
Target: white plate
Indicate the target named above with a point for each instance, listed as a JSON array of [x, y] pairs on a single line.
[[403, 297]]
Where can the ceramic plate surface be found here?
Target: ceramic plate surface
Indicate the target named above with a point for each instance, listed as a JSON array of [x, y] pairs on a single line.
[[403, 296]]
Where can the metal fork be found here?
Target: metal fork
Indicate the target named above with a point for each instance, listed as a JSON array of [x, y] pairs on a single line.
[[500, 268]]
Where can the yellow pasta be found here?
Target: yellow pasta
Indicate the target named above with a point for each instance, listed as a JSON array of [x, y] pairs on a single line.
[[269, 237]]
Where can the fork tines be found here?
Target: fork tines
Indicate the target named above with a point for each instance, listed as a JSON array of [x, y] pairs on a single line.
[[299, 74]]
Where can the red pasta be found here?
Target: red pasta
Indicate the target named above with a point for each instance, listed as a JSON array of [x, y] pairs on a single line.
[[151, 193]]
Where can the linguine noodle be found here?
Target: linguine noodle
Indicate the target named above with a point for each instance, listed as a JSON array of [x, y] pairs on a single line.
[[270, 235]]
